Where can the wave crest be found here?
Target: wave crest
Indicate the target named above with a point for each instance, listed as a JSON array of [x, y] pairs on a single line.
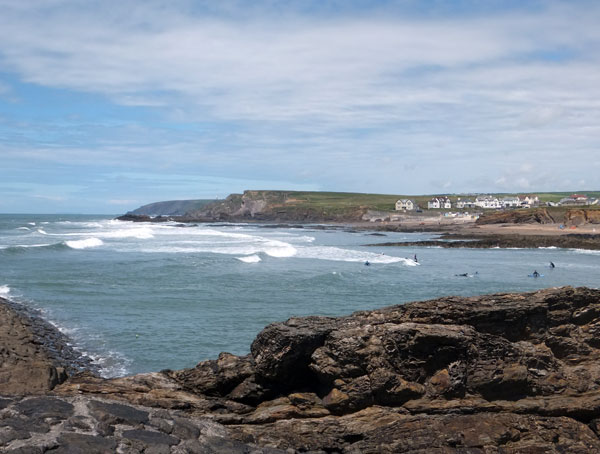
[[84, 244], [249, 259]]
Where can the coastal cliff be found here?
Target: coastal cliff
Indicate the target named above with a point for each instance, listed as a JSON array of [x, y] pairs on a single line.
[[283, 206], [504, 373]]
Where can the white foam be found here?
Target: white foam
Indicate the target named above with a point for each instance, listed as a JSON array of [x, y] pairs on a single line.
[[585, 251], [350, 255], [249, 259], [32, 245], [84, 244], [42, 231], [4, 289], [280, 249], [143, 233], [410, 262], [31, 223], [547, 247], [22, 228]]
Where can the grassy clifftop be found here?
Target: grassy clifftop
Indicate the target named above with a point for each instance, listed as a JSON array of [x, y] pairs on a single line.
[[300, 206]]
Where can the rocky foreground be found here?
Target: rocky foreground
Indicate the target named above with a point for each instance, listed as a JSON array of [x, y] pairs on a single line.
[[506, 373]]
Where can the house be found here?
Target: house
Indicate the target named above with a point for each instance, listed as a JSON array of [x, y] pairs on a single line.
[[510, 202], [439, 202], [460, 204], [527, 201], [575, 199], [487, 202], [405, 204]]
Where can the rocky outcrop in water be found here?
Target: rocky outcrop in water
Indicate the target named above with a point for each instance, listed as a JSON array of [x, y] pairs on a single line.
[[34, 355], [505, 240], [504, 373]]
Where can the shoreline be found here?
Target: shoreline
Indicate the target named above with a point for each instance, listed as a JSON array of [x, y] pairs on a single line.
[[37, 356]]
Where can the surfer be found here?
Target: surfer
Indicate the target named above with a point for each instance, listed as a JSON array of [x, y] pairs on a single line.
[[415, 259], [552, 265], [462, 275], [535, 274], [367, 263]]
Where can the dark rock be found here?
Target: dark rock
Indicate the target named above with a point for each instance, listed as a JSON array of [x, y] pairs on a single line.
[[184, 429], [75, 443], [215, 378], [5, 403], [150, 438], [112, 413], [45, 407], [26, 450], [8, 434], [282, 351]]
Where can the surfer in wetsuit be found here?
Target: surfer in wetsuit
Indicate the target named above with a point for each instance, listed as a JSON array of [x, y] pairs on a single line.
[[416, 259], [367, 263], [552, 265], [535, 274], [462, 275]]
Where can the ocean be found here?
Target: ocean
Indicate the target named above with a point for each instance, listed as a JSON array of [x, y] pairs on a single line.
[[140, 297]]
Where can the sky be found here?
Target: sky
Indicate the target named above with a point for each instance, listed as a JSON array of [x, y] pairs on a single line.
[[105, 106]]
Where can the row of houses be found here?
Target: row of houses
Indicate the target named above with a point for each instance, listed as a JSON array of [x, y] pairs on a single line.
[[481, 201], [492, 202]]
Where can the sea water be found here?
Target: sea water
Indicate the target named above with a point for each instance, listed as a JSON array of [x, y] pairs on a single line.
[[140, 297]]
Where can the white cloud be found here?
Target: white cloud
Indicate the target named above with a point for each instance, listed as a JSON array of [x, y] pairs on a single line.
[[384, 95]]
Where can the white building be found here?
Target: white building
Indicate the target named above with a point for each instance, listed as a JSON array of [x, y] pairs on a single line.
[[575, 199], [405, 204], [528, 201], [510, 202], [487, 202], [460, 204], [439, 202]]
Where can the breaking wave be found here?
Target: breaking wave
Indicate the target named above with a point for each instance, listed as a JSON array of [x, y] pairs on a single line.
[[249, 259], [84, 244]]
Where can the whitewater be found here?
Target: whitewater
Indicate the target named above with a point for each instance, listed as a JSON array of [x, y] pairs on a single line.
[[140, 297]]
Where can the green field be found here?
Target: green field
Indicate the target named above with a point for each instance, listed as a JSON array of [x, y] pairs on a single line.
[[344, 201]]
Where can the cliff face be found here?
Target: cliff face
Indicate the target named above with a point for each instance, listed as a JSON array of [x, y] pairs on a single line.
[[280, 206], [506, 373]]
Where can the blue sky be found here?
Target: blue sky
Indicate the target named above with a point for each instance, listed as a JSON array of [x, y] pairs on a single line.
[[105, 106]]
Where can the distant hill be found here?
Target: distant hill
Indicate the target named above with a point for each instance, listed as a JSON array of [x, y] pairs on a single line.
[[171, 207], [299, 206]]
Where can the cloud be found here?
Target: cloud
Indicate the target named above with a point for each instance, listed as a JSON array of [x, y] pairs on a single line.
[[380, 99]]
